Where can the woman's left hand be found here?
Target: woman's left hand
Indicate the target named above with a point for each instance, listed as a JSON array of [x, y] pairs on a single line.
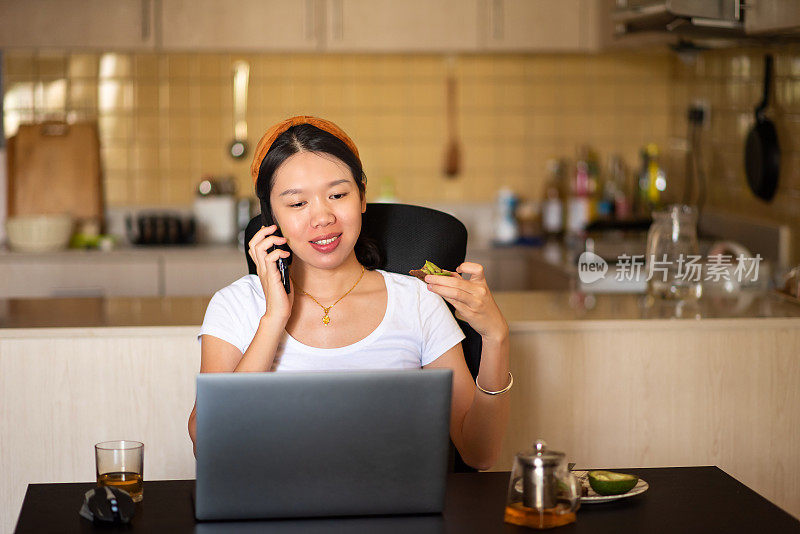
[[472, 300]]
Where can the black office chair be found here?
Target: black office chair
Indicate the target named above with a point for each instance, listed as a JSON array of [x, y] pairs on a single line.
[[407, 236]]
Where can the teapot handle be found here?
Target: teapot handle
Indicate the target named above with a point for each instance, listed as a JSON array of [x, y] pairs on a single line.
[[574, 492]]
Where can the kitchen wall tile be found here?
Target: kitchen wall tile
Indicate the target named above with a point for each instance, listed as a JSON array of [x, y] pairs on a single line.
[[573, 68], [114, 95], [51, 65], [83, 95], [546, 96], [205, 67], [116, 188], [114, 65], [636, 68], [603, 125], [510, 67], [545, 68], [115, 158], [145, 95], [426, 66], [146, 67], [469, 68], [209, 157], [177, 67], [576, 97], [175, 158], [485, 186], [19, 63], [144, 156], [544, 126], [178, 97], [115, 128], [512, 158], [603, 97], [19, 93], [179, 129], [82, 66], [430, 96]]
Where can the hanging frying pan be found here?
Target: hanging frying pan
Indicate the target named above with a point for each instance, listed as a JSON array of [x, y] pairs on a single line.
[[762, 160]]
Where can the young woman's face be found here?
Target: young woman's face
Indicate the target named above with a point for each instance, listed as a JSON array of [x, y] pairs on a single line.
[[317, 205]]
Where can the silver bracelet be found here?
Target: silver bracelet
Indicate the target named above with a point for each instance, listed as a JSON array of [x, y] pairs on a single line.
[[498, 392]]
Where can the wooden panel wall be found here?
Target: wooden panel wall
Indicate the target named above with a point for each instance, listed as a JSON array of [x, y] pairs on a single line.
[[63, 390], [665, 393], [610, 394]]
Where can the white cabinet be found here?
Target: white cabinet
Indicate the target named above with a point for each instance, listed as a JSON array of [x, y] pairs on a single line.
[[771, 16], [195, 274], [136, 272], [408, 26], [540, 25], [99, 24], [78, 274], [506, 269], [246, 25], [339, 26]]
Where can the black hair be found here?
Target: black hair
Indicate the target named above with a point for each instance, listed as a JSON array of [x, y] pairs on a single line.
[[308, 138]]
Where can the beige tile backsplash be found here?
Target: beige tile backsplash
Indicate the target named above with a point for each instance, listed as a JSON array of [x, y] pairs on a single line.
[[166, 119], [731, 81]]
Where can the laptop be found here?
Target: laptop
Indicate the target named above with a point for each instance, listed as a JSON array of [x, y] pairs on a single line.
[[311, 444]]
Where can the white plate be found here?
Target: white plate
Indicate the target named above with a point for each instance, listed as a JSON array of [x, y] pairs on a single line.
[[593, 497]]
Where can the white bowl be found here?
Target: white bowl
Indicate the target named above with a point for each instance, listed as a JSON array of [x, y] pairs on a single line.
[[39, 233]]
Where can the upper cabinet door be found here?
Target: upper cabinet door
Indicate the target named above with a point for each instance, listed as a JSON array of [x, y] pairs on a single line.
[[99, 24], [241, 25], [771, 16], [540, 25], [401, 26]]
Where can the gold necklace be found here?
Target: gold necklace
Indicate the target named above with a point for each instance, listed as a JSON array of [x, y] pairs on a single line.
[[326, 318]]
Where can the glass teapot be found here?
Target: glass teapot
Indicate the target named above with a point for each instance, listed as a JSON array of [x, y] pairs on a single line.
[[542, 492]]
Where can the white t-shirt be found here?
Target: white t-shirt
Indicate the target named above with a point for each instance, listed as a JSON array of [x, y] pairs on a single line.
[[416, 329]]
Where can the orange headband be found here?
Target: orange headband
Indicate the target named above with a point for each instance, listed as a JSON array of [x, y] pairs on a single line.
[[277, 129]]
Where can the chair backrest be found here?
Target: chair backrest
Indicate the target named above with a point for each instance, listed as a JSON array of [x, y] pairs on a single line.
[[407, 236]]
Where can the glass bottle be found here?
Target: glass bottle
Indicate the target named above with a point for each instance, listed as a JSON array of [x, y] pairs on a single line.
[[553, 203], [673, 264]]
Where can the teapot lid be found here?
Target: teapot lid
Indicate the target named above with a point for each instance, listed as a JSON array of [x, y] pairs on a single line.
[[541, 456]]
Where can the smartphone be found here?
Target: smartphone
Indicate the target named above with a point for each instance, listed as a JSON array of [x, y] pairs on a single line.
[[283, 263]]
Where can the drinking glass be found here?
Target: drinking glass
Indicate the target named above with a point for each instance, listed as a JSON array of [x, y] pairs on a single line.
[[120, 464]]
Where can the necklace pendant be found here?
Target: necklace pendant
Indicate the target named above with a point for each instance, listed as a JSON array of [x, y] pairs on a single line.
[[326, 320]]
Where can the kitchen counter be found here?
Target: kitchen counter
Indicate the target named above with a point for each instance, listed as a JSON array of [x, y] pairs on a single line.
[[524, 310]]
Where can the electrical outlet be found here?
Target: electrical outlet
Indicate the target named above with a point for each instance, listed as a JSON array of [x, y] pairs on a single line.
[[704, 107]]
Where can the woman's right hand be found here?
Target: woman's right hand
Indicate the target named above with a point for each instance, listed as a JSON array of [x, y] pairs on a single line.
[[279, 304]]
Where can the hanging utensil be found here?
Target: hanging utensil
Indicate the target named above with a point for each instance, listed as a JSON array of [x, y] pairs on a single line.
[[763, 154], [452, 165], [241, 78]]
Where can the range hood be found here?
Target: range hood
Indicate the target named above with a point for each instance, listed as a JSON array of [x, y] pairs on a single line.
[[690, 18]]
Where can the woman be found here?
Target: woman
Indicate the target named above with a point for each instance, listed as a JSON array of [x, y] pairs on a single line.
[[342, 312]]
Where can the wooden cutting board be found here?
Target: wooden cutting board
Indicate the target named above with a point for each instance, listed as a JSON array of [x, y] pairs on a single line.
[[53, 168]]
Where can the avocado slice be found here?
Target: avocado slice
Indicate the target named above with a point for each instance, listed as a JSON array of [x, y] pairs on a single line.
[[429, 268]]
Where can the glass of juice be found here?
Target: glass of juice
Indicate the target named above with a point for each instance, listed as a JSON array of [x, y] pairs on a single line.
[[120, 464]]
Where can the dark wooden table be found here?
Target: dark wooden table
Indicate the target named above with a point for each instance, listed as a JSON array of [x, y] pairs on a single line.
[[680, 500]]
